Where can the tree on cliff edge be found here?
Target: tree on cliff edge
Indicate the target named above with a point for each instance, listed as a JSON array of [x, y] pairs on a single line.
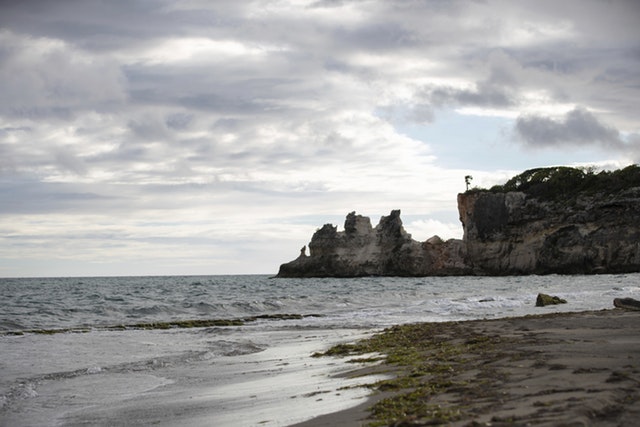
[[467, 180]]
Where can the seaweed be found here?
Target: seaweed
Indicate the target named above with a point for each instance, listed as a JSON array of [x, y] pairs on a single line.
[[427, 361], [189, 323]]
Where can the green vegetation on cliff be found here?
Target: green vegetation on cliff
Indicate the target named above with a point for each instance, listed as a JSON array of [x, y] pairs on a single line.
[[558, 182]]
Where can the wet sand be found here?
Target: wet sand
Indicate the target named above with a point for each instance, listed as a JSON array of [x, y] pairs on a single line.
[[164, 378], [567, 369]]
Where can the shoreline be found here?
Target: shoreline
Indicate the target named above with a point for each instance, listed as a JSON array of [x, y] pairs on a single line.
[[571, 368], [265, 378]]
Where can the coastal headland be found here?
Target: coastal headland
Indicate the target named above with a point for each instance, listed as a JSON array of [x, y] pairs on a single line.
[[569, 369], [557, 220]]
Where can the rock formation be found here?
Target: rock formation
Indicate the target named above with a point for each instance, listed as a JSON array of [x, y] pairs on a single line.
[[386, 250], [543, 300], [552, 220], [626, 303], [533, 232]]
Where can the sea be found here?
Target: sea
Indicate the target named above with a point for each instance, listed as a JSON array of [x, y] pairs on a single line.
[[229, 350]]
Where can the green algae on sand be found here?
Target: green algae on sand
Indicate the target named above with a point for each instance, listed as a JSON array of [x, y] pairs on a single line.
[[538, 369]]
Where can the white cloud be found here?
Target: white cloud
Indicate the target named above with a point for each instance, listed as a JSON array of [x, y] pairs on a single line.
[[199, 50]]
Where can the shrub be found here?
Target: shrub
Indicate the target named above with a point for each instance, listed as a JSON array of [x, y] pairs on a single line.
[[565, 182]]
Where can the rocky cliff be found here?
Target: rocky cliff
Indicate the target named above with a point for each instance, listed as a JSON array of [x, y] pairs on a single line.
[[386, 250], [552, 220]]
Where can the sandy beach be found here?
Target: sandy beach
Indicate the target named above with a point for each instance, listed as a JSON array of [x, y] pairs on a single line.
[[436, 362], [569, 369]]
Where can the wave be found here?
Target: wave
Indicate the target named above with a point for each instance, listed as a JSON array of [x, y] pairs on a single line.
[[71, 303], [24, 388], [9, 325], [156, 309]]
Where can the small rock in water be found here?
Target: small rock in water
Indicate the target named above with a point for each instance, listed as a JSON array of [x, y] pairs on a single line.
[[544, 299], [627, 303]]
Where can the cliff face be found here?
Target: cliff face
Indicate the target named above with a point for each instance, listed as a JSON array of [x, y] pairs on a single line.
[[556, 220], [512, 233]]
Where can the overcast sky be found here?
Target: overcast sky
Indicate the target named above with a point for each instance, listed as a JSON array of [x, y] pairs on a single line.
[[214, 137]]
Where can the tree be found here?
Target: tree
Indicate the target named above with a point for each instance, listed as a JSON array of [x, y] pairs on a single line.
[[467, 180]]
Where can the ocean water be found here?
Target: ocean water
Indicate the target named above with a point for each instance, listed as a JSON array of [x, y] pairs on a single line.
[[99, 368]]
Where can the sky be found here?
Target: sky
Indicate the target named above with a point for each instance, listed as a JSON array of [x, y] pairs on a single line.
[[152, 137]]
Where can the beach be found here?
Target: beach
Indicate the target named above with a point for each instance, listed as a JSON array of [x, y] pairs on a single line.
[[242, 350], [571, 369], [105, 378]]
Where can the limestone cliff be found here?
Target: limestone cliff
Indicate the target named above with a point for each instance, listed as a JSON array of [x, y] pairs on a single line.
[[512, 233], [386, 250], [551, 220]]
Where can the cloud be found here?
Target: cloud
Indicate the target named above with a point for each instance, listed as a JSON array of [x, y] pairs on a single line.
[[207, 112], [42, 77], [483, 95], [578, 127]]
